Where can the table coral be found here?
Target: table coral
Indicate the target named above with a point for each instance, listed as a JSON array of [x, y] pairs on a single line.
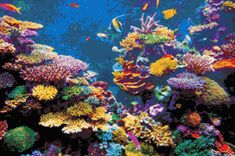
[[130, 42], [42, 92], [20, 138], [6, 48], [163, 65]]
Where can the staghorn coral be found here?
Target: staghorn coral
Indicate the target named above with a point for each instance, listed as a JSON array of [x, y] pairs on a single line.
[[3, 128], [199, 28], [198, 64], [13, 104], [6, 80], [163, 65], [225, 63], [212, 94], [42, 92], [193, 119], [186, 81], [12, 66], [147, 26], [20, 138], [130, 42], [119, 136]]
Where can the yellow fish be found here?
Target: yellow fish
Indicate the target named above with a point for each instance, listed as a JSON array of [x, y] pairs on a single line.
[[157, 3], [116, 24], [169, 13]]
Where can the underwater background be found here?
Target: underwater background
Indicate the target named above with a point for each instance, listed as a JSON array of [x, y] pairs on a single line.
[[84, 29]]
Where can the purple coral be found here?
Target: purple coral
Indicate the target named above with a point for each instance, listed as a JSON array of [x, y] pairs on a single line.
[[6, 80], [198, 64], [156, 109], [186, 81], [147, 26]]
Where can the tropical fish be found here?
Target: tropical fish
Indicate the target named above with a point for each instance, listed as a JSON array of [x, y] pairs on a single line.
[[157, 3], [134, 140], [10, 7], [169, 13], [88, 38], [116, 24], [102, 35], [145, 6], [74, 5]]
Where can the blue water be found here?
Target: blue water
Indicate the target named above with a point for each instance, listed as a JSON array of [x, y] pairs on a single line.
[[66, 28]]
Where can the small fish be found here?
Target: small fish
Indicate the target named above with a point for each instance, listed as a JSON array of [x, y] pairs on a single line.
[[10, 7], [74, 5], [88, 38], [145, 6], [116, 24], [134, 140], [134, 103], [157, 3], [169, 13], [102, 35]]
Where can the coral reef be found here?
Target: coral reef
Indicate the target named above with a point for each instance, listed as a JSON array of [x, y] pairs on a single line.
[[3, 128], [42, 92]]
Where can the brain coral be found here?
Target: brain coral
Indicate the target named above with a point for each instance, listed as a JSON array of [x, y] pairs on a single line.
[[212, 94], [42, 92], [20, 138]]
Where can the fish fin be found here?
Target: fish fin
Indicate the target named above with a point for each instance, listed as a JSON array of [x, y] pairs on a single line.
[[18, 10]]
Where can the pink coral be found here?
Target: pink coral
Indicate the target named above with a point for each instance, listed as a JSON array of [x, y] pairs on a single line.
[[198, 64], [3, 128]]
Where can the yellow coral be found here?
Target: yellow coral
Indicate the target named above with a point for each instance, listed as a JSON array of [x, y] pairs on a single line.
[[119, 136], [129, 43], [230, 5], [75, 126], [53, 119], [100, 114], [80, 109], [164, 31], [42, 92], [163, 66]]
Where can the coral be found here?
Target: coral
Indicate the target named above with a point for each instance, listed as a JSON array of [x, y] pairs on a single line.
[[147, 26], [186, 81], [12, 66], [119, 136], [153, 39], [114, 149], [80, 109], [212, 94], [20, 138], [72, 91], [130, 42], [162, 93], [3, 128], [45, 73], [95, 150], [13, 104], [42, 92], [229, 5], [17, 92], [193, 119], [225, 63], [198, 64], [145, 150], [199, 28], [6, 80], [200, 146], [156, 109], [164, 65], [6, 48], [53, 119]]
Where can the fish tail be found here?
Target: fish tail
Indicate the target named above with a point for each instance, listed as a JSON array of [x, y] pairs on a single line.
[[18, 10]]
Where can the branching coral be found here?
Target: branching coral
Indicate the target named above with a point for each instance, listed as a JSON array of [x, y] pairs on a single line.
[[17, 92], [80, 109], [69, 92], [6, 48], [198, 64], [212, 94], [20, 138], [164, 65], [119, 136], [198, 28], [6, 80], [186, 81], [3, 128], [130, 42], [147, 26], [229, 5], [42, 92]]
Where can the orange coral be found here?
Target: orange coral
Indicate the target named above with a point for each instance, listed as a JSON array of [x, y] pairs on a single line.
[[164, 31], [129, 43], [193, 119], [225, 63]]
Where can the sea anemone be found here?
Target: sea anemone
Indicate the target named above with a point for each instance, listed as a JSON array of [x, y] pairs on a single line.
[[42, 92]]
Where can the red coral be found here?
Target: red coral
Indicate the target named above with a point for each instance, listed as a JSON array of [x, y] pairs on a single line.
[[3, 128]]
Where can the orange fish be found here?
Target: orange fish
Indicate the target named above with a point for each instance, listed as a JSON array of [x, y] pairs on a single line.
[[10, 7], [145, 6], [74, 5]]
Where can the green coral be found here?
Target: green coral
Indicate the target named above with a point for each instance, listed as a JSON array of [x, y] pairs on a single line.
[[17, 92], [153, 38], [145, 150], [20, 138], [200, 146], [69, 92]]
